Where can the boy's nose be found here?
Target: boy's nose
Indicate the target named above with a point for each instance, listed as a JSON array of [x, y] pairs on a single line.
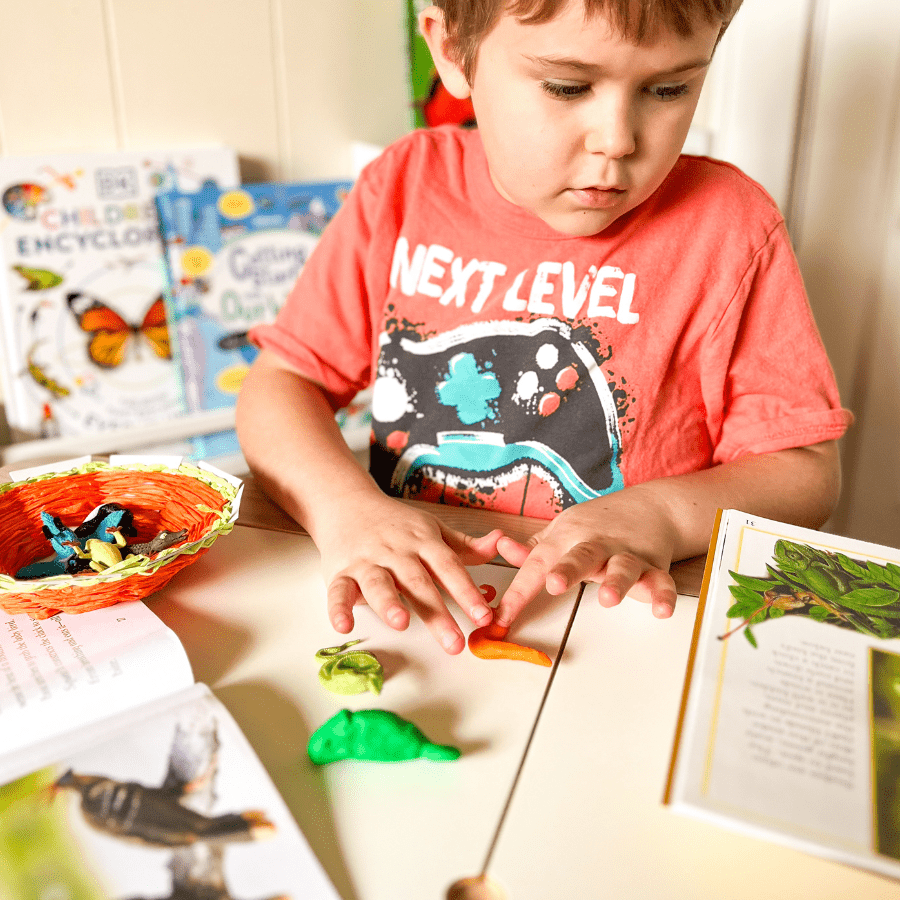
[[610, 131]]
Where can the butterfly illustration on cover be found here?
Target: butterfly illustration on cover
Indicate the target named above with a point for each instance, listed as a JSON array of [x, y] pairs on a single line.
[[111, 334]]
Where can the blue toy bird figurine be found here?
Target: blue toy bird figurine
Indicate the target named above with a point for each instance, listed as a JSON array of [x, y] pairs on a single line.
[[64, 543]]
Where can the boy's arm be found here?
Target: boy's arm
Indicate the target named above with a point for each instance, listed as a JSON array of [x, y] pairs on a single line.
[[626, 541], [374, 548]]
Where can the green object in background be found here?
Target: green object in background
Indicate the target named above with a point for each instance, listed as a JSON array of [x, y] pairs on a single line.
[[38, 858], [350, 673], [432, 104], [39, 279], [884, 681], [373, 734], [421, 65]]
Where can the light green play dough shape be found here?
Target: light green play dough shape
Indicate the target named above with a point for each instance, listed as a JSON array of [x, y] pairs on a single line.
[[350, 673]]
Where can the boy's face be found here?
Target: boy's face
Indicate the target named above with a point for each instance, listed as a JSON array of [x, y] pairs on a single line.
[[578, 125]]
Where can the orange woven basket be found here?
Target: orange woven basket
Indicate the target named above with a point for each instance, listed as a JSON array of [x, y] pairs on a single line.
[[160, 498]]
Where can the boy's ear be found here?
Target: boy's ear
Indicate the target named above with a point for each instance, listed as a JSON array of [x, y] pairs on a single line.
[[431, 24]]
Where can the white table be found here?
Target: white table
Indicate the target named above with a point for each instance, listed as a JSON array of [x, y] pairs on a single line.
[[251, 614], [584, 815], [585, 818], [588, 805]]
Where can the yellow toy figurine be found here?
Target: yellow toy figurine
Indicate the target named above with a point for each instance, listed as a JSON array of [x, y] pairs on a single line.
[[102, 554]]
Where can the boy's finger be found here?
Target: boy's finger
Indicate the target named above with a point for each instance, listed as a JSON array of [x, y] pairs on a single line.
[[657, 588], [473, 551], [341, 597], [512, 551], [441, 625], [448, 571], [418, 587], [457, 582], [663, 593], [622, 572], [580, 563], [527, 584], [378, 589]]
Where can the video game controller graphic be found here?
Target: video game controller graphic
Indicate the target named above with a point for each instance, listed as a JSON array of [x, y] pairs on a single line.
[[499, 414]]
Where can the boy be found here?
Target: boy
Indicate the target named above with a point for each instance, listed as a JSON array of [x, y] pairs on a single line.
[[561, 316]]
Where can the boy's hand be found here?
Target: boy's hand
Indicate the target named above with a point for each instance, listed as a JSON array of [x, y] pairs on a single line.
[[623, 542], [379, 550]]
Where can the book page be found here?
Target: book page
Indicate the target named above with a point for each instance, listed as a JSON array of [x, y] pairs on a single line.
[[168, 800], [60, 672], [792, 723]]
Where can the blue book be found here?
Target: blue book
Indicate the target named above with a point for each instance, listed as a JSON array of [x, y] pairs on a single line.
[[233, 256]]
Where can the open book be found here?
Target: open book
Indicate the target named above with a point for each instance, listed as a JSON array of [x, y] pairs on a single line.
[[790, 719], [122, 778]]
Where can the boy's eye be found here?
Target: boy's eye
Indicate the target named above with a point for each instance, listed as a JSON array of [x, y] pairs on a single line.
[[667, 92], [564, 90]]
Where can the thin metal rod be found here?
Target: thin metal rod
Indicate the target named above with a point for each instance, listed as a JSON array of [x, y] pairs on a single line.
[[537, 718]]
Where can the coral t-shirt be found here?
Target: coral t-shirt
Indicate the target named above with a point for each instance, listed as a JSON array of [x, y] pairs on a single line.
[[520, 369]]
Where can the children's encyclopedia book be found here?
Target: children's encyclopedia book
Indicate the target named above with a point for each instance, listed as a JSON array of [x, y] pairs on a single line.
[[790, 720], [120, 777], [85, 336]]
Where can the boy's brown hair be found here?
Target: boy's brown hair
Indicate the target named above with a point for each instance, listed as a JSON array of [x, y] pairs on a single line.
[[468, 21]]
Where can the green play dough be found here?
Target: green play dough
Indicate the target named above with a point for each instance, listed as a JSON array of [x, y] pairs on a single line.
[[373, 734], [350, 673]]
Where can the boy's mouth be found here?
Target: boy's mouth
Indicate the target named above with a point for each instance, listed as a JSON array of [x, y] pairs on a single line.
[[598, 197]]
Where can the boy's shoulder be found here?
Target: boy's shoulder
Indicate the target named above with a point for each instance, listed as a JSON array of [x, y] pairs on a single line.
[[712, 184], [440, 167], [441, 140], [442, 147]]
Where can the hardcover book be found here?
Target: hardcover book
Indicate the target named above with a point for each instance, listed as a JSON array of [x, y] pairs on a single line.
[[85, 336], [790, 720]]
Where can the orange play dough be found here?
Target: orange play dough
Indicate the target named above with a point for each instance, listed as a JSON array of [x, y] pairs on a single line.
[[489, 642]]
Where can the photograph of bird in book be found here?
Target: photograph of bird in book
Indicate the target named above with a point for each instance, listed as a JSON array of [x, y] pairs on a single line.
[[158, 812]]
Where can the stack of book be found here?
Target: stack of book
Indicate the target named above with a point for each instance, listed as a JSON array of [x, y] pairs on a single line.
[[129, 281]]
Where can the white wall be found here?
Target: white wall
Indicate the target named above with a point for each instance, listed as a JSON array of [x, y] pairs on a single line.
[[849, 248], [289, 83]]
